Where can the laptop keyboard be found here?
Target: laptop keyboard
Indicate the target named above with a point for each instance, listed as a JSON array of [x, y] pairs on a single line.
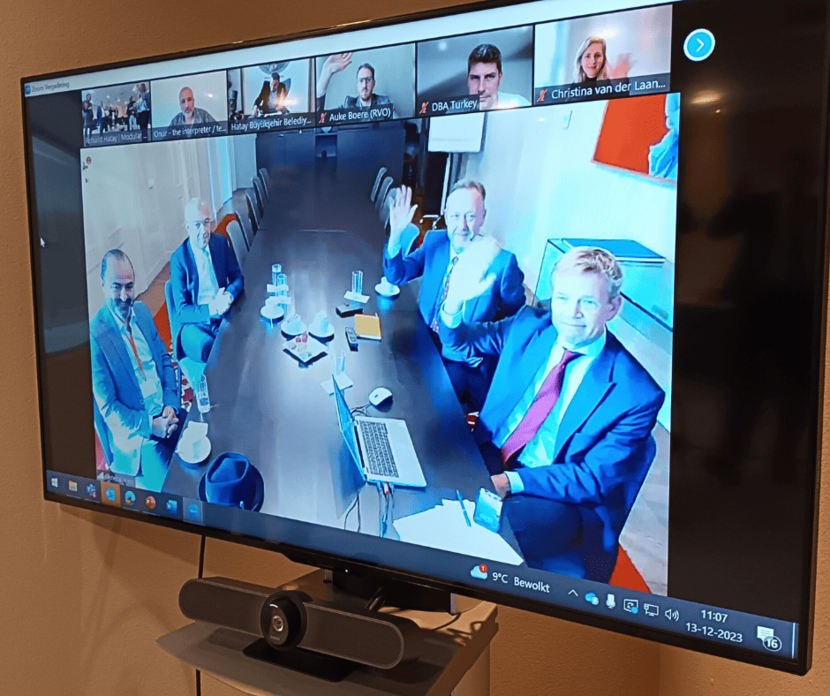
[[378, 454]]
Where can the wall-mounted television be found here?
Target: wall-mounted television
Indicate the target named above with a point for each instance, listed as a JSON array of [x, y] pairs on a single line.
[[523, 301]]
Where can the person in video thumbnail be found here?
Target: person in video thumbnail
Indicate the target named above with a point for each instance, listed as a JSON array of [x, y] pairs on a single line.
[[484, 76], [89, 116], [132, 124], [592, 62], [566, 429], [366, 96], [190, 114], [434, 262], [135, 387], [205, 280], [142, 110], [273, 97], [99, 117]]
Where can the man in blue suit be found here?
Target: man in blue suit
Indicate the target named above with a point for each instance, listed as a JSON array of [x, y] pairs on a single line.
[[135, 387], [469, 370], [206, 280], [566, 429]]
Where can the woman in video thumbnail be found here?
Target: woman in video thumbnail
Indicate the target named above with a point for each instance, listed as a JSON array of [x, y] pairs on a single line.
[[592, 62]]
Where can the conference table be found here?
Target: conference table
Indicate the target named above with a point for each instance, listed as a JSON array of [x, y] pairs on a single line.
[[272, 408]]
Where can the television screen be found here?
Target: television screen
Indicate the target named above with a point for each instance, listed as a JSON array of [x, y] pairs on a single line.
[[485, 299]]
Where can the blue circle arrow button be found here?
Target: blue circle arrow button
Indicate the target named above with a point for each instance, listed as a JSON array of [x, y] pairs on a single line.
[[699, 45]]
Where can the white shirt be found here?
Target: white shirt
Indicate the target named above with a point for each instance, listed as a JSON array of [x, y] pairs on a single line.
[[540, 450], [208, 287], [510, 101], [149, 382]]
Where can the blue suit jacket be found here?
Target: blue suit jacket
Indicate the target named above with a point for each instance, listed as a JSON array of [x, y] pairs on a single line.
[[184, 282], [430, 263], [604, 446], [116, 388]]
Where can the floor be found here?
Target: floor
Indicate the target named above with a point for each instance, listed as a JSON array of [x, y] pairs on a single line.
[[645, 536]]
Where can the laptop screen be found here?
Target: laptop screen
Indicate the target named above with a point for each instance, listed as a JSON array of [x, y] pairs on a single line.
[[344, 415]]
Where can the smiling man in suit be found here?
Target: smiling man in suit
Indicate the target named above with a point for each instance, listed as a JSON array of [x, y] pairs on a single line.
[[566, 429], [135, 387], [206, 280], [434, 262]]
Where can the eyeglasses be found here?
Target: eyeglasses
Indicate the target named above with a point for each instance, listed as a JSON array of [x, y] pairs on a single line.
[[455, 218], [365, 80]]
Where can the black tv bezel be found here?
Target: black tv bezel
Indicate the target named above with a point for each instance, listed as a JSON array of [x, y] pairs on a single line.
[[800, 666]]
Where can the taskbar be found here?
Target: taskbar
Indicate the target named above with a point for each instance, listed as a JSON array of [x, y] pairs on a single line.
[[643, 608], [160, 504], [737, 629]]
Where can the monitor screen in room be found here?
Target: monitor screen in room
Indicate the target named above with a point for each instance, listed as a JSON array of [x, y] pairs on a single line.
[[485, 299]]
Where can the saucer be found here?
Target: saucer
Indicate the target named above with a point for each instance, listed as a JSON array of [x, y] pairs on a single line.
[[325, 336], [289, 332], [396, 291], [186, 458], [272, 312]]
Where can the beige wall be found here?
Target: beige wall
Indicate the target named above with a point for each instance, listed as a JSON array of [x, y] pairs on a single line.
[[83, 597]]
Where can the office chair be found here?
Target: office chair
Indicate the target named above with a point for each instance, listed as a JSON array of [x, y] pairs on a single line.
[[376, 186], [259, 190], [384, 189]]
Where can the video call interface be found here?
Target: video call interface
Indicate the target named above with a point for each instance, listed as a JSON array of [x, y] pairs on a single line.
[[422, 292]]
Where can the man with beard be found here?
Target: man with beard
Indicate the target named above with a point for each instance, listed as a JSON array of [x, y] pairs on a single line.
[[366, 96], [135, 388], [190, 115]]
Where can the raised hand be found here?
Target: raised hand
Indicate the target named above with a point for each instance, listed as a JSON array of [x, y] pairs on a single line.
[[401, 212], [623, 67], [471, 276], [337, 63]]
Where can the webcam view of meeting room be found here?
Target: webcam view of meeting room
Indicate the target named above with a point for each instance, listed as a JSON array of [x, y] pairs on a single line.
[[375, 84], [271, 96], [493, 292], [190, 106], [485, 71], [118, 114], [604, 56]]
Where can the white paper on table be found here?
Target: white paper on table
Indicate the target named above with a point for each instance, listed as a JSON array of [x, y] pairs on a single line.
[[444, 527], [194, 431], [343, 381], [354, 297]]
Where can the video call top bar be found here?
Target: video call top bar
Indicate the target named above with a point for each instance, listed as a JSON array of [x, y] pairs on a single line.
[[602, 56], [511, 15]]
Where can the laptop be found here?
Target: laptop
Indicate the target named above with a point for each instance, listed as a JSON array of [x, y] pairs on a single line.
[[381, 447]]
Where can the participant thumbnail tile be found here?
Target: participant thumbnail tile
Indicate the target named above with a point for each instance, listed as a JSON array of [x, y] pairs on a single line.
[[376, 84], [603, 57], [272, 96], [486, 71], [190, 106], [116, 115]]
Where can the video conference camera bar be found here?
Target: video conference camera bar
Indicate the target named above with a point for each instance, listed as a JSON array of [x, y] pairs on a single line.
[[300, 632]]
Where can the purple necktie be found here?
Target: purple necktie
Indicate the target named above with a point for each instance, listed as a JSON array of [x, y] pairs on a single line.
[[539, 410], [444, 293]]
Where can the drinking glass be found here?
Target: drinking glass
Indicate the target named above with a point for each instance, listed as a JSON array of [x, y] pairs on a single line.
[[202, 396]]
